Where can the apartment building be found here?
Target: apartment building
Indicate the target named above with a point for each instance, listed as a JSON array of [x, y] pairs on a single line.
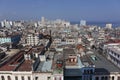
[[32, 39]]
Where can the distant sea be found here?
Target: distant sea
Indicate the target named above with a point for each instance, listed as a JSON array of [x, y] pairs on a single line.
[[101, 24]]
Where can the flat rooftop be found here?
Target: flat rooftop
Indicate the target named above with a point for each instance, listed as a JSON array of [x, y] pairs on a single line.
[[76, 65], [116, 49], [86, 61], [25, 66], [72, 72], [68, 51], [12, 52], [16, 61], [45, 66], [102, 65], [12, 62]]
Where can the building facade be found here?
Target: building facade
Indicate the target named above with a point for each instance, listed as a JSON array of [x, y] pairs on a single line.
[[32, 39], [10, 39]]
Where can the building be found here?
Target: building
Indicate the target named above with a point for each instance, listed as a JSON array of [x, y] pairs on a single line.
[[31, 64], [57, 41], [82, 23], [104, 69], [32, 39], [77, 67], [113, 54], [10, 39], [17, 23], [108, 26], [6, 23]]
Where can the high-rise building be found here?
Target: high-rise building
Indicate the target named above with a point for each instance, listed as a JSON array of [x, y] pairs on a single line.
[[109, 26], [32, 39], [82, 23], [43, 20], [6, 23]]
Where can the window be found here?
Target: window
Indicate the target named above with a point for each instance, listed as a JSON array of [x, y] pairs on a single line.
[[91, 71], [48, 78], [2, 78], [60, 78], [106, 78], [9, 78], [22, 78], [118, 56], [112, 77], [16, 78], [85, 71], [55, 78], [36, 78], [102, 78], [118, 77], [96, 78], [28, 78]]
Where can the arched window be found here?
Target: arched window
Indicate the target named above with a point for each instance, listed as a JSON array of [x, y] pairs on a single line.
[[91, 71], [29, 78], [106, 78], [112, 77], [85, 71], [102, 78], [2, 78], [36, 78], [9, 78], [55, 78], [16, 78], [22, 78], [97, 78], [60, 78], [118, 77]]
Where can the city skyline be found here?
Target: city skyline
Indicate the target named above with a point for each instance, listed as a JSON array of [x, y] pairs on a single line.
[[103, 10]]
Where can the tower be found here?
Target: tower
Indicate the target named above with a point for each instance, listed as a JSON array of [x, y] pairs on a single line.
[[82, 23]]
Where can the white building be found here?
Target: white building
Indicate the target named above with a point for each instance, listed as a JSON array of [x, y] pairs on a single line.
[[6, 23], [109, 26], [18, 24], [57, 41], [70, 41], [82, 23], [113, 54], [10, 39], [32, 39]]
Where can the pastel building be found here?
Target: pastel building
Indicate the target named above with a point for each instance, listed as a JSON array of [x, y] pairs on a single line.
[[10, 39], [25, 65]]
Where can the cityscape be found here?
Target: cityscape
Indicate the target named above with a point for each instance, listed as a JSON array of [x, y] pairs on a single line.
[[59, 48]]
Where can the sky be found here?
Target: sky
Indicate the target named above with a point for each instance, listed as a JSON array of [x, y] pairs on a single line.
[[72, 10]]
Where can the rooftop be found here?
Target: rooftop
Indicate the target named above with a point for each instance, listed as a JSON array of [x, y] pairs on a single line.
[[72, 72], [45, 66], [11, 63], [115, 49], [16, 61], [12, 52], [102, 65], [68, 51], [25, 66], [86, 61]]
